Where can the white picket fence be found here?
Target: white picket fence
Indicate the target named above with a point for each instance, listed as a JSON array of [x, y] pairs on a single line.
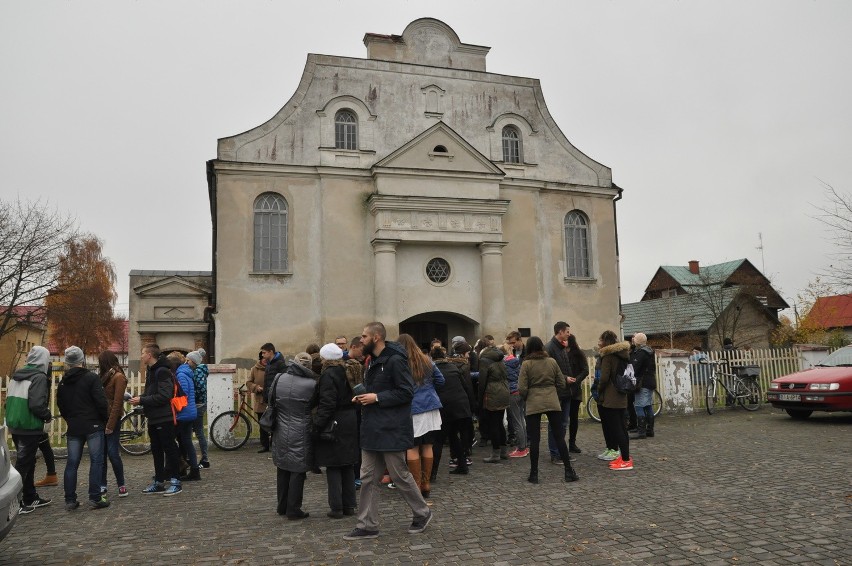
[[772, 362]]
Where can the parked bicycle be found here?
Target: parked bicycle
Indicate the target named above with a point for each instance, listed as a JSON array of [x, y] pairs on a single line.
[[740, 387], [592, 406], [133, 431], [232, 429]]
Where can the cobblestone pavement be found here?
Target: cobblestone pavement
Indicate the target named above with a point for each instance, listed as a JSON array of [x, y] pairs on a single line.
[[732, 488]]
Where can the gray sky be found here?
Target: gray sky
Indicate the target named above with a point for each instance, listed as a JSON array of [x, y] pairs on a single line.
[[719, 119]]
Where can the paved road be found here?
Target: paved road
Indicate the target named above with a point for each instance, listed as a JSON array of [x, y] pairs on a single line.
[[733, 488]]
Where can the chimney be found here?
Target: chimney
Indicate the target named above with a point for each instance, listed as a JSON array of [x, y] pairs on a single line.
[[693, 266]]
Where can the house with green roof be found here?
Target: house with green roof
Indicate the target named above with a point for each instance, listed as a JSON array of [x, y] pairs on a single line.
[[691, 305]]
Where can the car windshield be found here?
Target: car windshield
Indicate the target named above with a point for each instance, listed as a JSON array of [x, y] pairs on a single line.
[[838, 358]]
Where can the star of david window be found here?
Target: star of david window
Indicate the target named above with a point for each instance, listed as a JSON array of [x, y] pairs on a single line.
[[438, 270]]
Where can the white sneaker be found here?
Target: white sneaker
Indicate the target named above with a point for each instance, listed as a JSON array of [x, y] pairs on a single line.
[[609, 455]]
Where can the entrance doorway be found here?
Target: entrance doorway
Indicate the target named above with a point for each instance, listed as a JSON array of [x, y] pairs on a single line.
[[439, 324]]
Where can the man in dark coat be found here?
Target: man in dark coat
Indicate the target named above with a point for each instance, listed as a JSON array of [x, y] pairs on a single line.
[[386, 432], [82, 403], [275, 364], [557, 349]]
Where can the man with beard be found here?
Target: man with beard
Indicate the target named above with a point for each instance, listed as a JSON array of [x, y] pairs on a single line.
[[386, 432]]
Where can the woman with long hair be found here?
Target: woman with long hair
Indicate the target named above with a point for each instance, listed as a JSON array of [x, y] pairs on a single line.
[[579, 371], [115, 384], [425, 412], [540, 383], [612, 404]]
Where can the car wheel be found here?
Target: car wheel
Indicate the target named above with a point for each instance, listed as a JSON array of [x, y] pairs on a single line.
[[799, 414]]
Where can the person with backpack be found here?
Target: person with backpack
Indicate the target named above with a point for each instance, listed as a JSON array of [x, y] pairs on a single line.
[[614, 361], [27, 411], [645, 368], [185, 417]]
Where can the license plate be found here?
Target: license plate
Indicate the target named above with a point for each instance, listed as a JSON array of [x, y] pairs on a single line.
[[789, 397]]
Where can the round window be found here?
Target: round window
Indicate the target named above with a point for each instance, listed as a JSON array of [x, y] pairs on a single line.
[[438, 270]]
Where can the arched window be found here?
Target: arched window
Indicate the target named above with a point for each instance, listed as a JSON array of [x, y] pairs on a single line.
[[511, 145], [345, 130], [270, 233], [577, 244]]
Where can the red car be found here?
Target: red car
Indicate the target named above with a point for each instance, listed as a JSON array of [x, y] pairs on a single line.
[[827, 387]]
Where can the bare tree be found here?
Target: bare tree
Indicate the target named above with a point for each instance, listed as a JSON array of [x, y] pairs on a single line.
[[837, 215], [32, 238]]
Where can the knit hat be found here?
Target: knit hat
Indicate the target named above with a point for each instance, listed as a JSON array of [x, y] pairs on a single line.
[[201, 353], [194, 357], [74, 356], [303, 359], [457, 340], [331, 351]]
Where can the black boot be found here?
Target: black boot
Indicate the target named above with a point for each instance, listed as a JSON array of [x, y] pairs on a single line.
[[649, 426], [533, 476], [193, 475], [641, 429], [570, 474]]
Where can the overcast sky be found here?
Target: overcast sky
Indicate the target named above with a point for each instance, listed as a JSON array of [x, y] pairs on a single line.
[[719, 119]]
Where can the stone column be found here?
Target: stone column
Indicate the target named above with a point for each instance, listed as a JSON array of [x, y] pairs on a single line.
[[385, 284], [493, 298]]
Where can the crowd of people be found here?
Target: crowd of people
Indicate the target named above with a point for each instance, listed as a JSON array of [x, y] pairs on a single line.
[[372, 412], [92, 404]]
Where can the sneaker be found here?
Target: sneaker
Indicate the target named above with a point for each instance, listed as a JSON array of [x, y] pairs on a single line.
[[122, 491], [358, 534], [556, 460], [25, 509], [621, 465], [391, 485], [468, 461], [453, 463], [574, 449], [39, 502], [174, 488], [204, 464], [418, 525], [155, 487], [358, 483], [609, 455], [101, 503], [71, 505], [519, 453]]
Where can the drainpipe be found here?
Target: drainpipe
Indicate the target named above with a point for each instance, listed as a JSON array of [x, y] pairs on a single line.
[[210, 311], [617, 261]]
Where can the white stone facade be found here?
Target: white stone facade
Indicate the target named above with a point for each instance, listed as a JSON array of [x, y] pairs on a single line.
[[426, 179]]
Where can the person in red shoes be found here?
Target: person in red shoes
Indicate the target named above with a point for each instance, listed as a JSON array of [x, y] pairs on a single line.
[[612, 404]]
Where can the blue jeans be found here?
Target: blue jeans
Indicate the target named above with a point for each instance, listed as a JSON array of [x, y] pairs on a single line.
[[643, 400], [198, 429], [113, 450], [96, 443], [551, 445]]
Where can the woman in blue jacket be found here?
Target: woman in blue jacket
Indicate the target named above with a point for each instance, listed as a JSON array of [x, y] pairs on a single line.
[[425, 412], [185, 418]]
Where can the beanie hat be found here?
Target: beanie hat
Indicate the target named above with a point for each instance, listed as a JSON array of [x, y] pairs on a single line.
[[331, 351], [202, 353], [74, 356], [303, 359], [457, 340], [194, 357]]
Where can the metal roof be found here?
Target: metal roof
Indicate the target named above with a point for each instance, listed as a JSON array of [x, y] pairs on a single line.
[[683, 313], [706, 274]]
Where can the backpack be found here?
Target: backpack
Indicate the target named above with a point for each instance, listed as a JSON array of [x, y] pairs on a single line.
[[625, 380]]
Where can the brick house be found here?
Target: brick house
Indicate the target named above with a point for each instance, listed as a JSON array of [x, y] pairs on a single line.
[[685, 306]]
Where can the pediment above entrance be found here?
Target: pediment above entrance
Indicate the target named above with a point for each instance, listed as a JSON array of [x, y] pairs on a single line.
[[439, 148], [437, 219], [172, 287]]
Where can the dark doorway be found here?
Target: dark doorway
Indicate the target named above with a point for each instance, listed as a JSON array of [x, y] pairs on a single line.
[[441, 325]]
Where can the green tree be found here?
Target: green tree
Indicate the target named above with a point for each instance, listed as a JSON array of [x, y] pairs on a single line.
[[80, 307]]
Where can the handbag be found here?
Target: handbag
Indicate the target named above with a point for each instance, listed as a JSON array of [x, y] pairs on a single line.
[[178, 401], [267, 419]]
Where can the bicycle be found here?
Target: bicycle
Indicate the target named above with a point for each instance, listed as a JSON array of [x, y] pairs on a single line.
[[133, 431], [745, 389], [592, 406], [232, 429]]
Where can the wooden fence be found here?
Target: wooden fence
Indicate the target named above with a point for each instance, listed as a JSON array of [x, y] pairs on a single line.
[[773, 363]]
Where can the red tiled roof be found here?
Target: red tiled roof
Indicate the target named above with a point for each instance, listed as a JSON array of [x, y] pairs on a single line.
[[833, 312], [33, 313]]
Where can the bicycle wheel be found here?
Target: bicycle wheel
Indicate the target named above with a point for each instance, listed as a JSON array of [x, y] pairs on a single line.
[[133, 434], [710, 397], [748, 394], [230, 430], [657, 403], [592, 409]]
